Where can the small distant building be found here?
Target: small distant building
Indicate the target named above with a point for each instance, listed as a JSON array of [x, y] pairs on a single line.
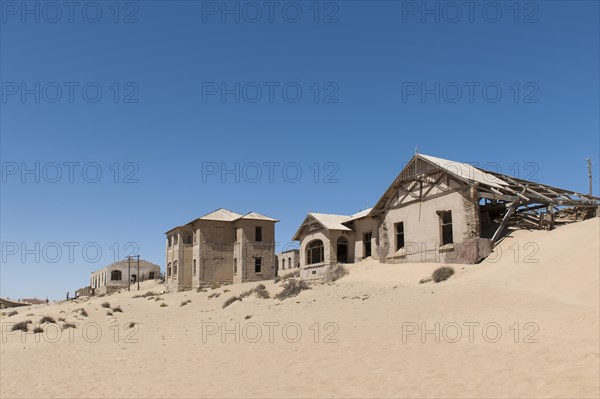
[[288, 261], [222, 246], [115, 276], [6, 303]]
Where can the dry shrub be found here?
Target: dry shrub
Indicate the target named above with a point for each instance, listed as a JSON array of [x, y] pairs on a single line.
[[291, 288], [117, 309], [231, 300], [334, 272], [442, 274], [105, 305], [20, 326], [47, 319]]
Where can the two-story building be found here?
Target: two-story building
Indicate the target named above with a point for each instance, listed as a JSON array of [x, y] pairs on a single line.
[[222, 246]]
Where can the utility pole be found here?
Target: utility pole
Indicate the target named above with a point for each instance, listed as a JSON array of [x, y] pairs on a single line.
[[589, 166], [129, 273], [138, 272]]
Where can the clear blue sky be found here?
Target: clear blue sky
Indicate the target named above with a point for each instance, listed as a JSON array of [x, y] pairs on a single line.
[[369, 60]]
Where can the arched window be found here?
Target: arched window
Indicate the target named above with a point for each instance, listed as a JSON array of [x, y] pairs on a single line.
[[315, 252], [175, 268], [115, 275]]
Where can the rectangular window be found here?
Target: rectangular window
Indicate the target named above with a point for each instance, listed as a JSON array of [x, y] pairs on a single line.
[[194, 262], [446, 227], [367, 237], [258, 234], [175, 268], [234, 265], [257, 265], [195, 236], [175, 239], [187, 239], [399, 235], [170, 241]]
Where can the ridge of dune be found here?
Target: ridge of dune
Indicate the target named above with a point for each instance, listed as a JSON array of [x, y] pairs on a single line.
[[353, 340]]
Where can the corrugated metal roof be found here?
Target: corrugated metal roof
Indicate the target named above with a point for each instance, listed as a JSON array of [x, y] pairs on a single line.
[[359, 215], [258, 216], [331, 222], [221, 214], [465, 171]]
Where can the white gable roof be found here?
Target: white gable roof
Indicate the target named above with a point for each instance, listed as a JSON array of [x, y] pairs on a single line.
[[331, 222], [465, 171], [221, 214], [258, 216]]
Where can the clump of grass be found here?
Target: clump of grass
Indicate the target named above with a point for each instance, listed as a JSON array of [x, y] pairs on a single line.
[[109, 313], [14, 312], [185, 302], [61, 319], [20, 326], [69, 325], [215, 286], [83, 312], [163, 305], [117, 309], [295, 273], [47, 319], [105, 305], [425, 280], [29, 314], [261, 292], [158, 299], [214, 295], [145, 295], [442, 274], [131, 324], [38, 330], [335, 272], [291, 288], [231, 300]]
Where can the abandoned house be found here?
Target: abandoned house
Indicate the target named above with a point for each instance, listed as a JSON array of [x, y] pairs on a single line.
[[222, 246], [287, 261], [437, 210], [117, 276]]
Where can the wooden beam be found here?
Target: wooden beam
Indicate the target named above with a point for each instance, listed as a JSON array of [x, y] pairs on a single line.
[[504, 222]]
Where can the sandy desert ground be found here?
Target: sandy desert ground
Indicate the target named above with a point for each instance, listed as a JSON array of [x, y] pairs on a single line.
[[523, 324]]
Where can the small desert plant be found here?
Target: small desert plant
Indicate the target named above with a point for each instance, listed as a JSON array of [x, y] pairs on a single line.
[[163, 305], [47, 319], [261, 292], [83, 312], [131, 324], [231, 300], [109, 313], [145, 295], [69, 325], [214, 295], [158, 299], [442, 274], [30, 314], [20, 326], [335, 272], [425, 280], [105, 305], [248, 317], [14, 312], [117, 309], [38, 330], [61, 319], [291, 288], [183, 303]]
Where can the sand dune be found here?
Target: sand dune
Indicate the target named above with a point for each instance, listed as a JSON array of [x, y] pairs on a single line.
[[527, 329]]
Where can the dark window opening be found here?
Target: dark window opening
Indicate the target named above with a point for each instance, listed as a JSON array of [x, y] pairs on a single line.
[[115, 275], [399, 235], [151, 276], [446, 227], [257, 265], [315, 252], [342, 250], [367, 240], [258, 234], [194, 262], [234, 265]]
